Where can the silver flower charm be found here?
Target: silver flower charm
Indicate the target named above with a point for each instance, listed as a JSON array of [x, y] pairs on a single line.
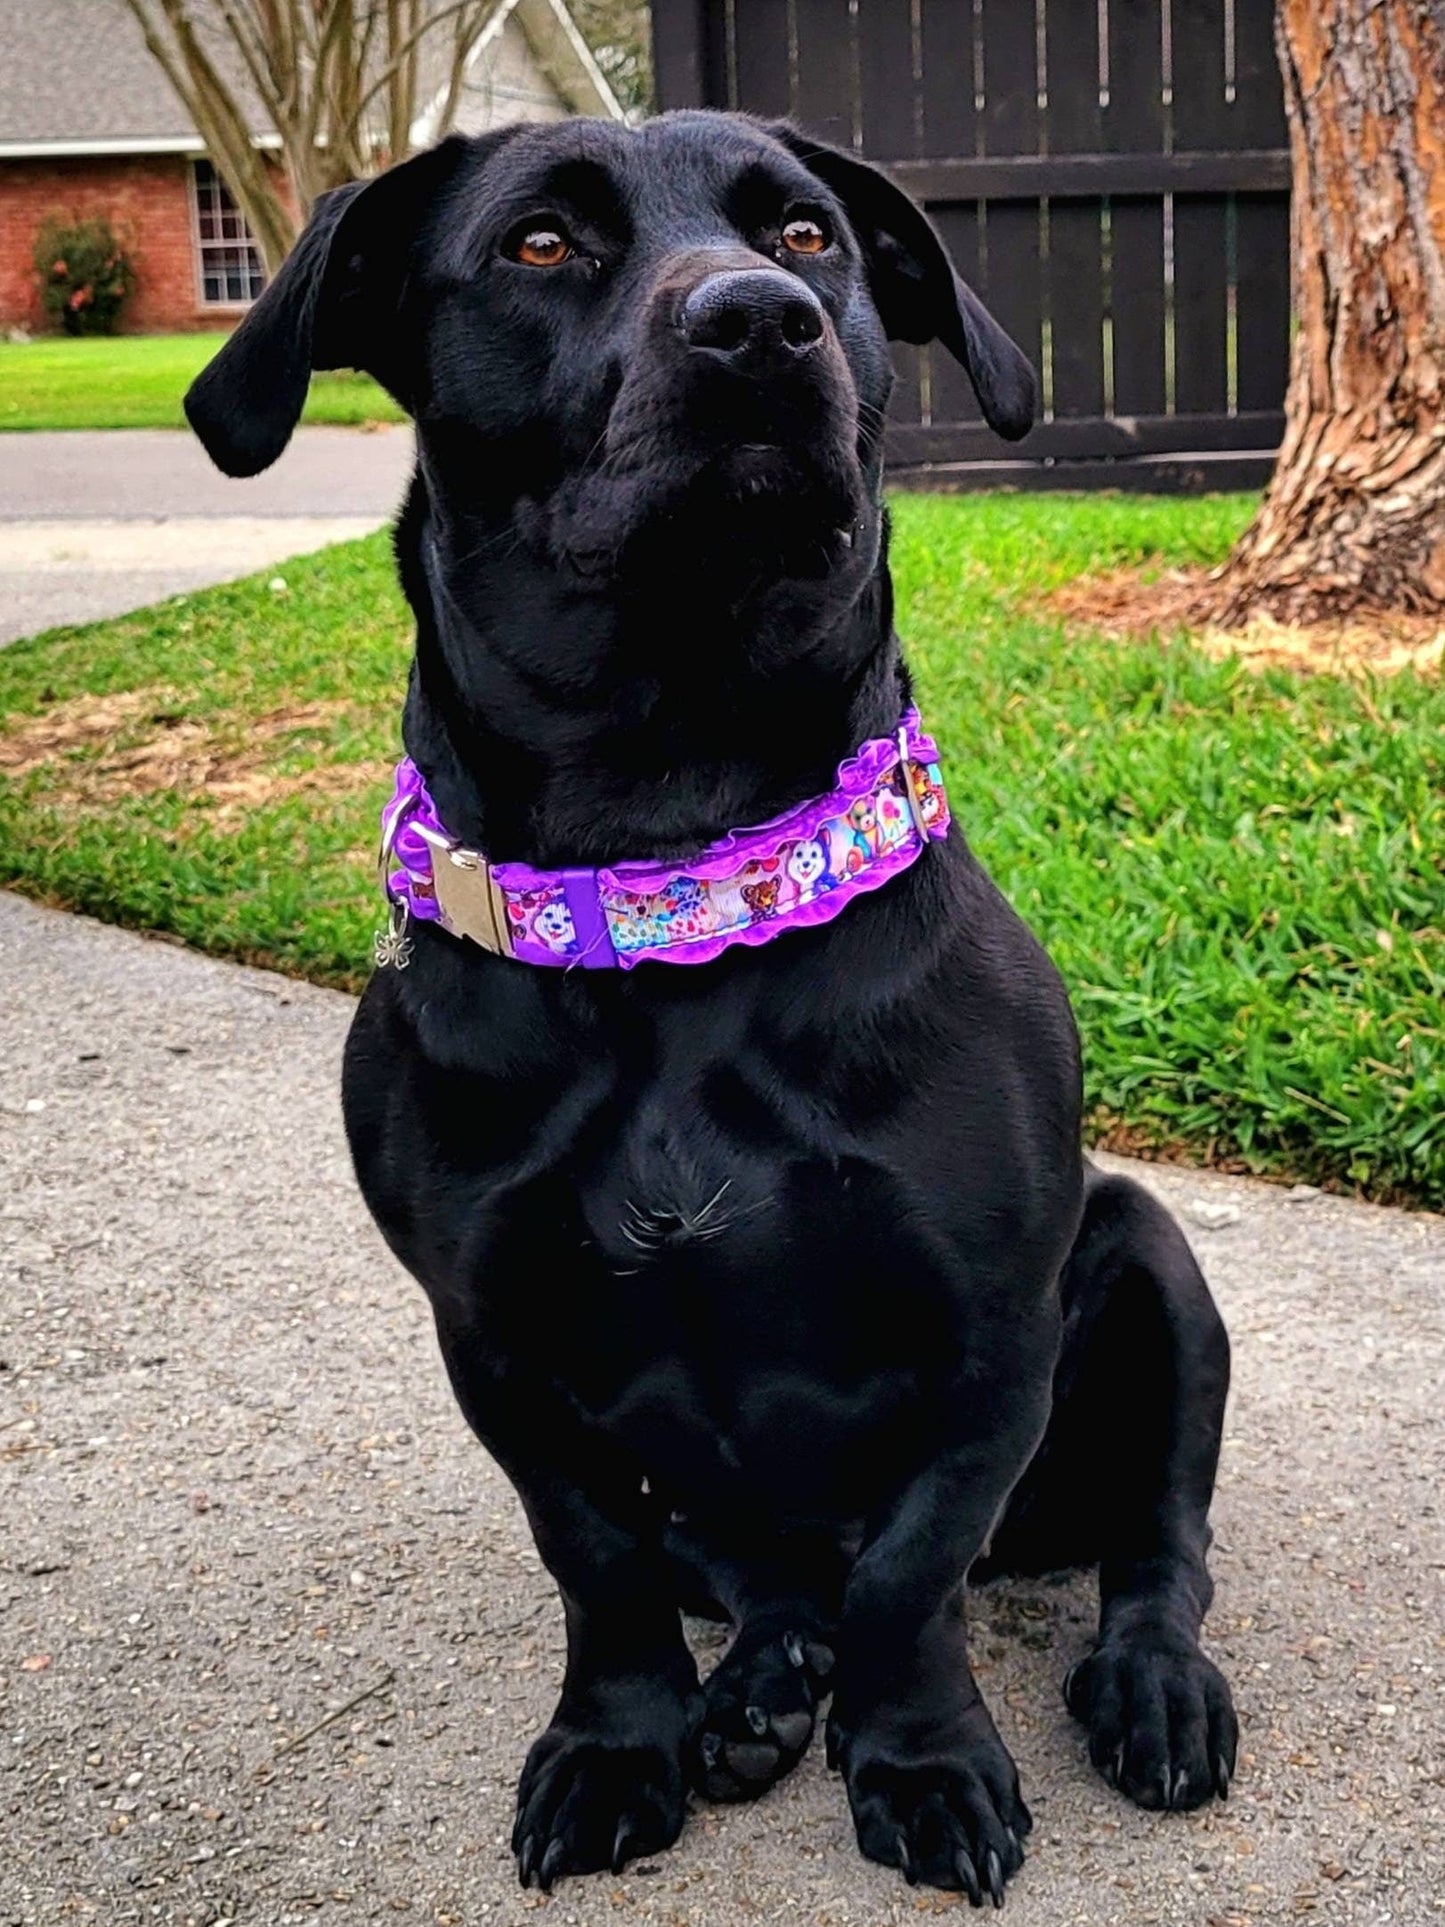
[[393, 947]]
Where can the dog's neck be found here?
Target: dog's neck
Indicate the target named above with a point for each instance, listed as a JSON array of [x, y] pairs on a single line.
[[560, 722]]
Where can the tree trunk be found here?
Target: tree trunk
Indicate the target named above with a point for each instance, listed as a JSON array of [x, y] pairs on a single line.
[[1354, 517]]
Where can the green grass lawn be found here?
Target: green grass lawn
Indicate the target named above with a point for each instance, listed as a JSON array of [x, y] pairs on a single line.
[[136, 381], [1242, 876]]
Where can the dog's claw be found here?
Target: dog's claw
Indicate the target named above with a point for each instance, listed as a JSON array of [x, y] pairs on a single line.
[[968, 1876], [905, 1858], [551, 1865], [624, 1842], [793, 1647], [710, 1746], [526, 1859], [1221, 1777], [993, 1868], [757, 1719]]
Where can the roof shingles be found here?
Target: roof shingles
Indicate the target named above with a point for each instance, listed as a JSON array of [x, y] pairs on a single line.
[[78, 71]]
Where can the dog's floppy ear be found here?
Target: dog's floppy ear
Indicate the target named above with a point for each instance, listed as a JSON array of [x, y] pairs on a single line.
[[334, 304], [915, 290]]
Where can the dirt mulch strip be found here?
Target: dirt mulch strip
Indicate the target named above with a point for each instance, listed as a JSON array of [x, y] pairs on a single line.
[[138, 743], [1131, 604]]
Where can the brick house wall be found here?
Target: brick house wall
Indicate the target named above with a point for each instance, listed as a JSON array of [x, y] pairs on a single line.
[[146, 198]]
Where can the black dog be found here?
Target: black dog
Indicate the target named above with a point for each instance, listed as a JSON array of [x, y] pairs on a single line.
[[778, 1285]]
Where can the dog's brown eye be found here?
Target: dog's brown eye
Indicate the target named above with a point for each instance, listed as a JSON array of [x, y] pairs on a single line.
[[804, 237], [542, 247]]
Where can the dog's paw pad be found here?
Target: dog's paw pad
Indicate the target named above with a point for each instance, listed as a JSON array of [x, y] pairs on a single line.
[[1161, 1721], [758, 1719]]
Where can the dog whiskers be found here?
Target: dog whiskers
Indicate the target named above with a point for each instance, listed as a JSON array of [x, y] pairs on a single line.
[[652, 1231]]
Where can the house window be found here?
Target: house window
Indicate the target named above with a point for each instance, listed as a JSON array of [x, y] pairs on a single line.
[[231, 270]]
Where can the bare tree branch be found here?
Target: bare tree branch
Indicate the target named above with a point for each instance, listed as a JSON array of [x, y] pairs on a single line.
[[335, 83], [461, 49], [254, 55], [220, 120], [433, 19]]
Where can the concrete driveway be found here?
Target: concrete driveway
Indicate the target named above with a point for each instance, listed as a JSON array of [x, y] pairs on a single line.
[[93, 524], [273, 1638]]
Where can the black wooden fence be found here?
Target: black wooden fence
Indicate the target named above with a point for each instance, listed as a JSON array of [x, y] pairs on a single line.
[[1111, 175]]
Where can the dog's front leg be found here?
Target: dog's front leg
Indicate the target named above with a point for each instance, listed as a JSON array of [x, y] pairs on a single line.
[[932, 1786], [605, 1782]]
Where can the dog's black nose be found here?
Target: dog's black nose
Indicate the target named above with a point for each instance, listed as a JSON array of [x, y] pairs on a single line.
[[754, 318]]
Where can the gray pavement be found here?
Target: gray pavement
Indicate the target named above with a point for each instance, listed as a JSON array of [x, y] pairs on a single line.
[[94, 524], [238, 1501], [119, 472]]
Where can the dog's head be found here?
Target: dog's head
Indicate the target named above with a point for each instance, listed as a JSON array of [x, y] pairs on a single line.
[[603, 333]]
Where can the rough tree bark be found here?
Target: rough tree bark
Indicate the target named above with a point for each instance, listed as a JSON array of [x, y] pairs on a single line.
[[337, 83], [1354, 517]]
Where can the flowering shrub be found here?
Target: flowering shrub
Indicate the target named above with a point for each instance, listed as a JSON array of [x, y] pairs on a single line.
[[84, 273]]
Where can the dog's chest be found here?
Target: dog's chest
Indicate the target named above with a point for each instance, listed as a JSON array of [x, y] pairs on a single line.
[[751, 1325]]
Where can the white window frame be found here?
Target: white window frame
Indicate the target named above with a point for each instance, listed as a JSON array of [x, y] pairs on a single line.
[[253, 273]]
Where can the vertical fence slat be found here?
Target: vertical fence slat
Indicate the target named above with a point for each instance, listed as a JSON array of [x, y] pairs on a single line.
[[1202, 117], [950, 121], [886, 87], [1201, 304], [826, 75], [1076, 306], [1262, 253], [1013, 283], [1072, 118], [953, 399], [1136, 301], [679, 54], [762, 57], [1010, 77], [1133, 120], [1259, 95], [905, 402]]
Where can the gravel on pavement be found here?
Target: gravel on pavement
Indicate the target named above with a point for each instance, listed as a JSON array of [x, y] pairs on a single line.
[[273, 1636]]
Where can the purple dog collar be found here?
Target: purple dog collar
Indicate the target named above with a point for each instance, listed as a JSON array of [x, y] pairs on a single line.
[[800, 869]]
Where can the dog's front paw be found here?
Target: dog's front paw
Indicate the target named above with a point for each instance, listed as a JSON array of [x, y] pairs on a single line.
[[758, 1718], [597, 1793], [948, 1813], [1160, 1717]]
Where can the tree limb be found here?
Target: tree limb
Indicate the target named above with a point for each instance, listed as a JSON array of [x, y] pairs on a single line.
[[434, 19], [316, 69]]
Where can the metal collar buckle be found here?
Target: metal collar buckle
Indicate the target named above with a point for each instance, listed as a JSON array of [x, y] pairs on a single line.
[[468, 896]]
